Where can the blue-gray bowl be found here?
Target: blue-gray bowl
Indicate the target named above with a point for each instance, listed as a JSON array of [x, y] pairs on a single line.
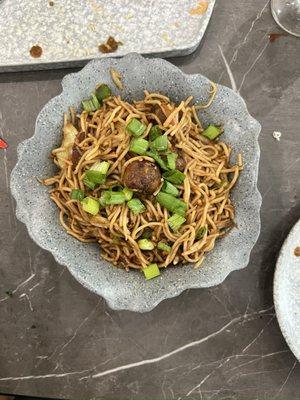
[[123, 290]]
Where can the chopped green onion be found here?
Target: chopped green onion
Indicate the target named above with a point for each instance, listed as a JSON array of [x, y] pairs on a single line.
[[95, 177], [91, 185], [136, 206], [164, 247], [88, 105], [174, 176], [77, 194], [212, 132], [145, 244], [95, 101], [136, 127], [128, 194], [171, 203], [151, 271], [139, 146], [168, 187], [109, 198], [156, 157], [102, 167], [201, 232], [160, 143], [171, 160], [90, 205], [147, 233], [176, 221], [102, 92], [155, 131]]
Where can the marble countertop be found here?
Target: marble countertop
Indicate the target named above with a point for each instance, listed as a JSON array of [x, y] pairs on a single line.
[[59, 340]]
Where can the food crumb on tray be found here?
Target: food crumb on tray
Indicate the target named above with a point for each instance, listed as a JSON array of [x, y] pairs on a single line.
[[200, 9], [109, 46], [277, 135], [36, 51], [297, 251]]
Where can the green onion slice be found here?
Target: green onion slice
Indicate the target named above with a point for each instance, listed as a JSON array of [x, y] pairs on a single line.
[[88, 105], [102, 167], [155, 132], [171, 203], [171, 160], [91, 185], [174, 176], [212, 132], [201, 232], [136, 127], [136, 206], [156, 157], [109, 198], [102, 92], [164, 247], [145, 244], [128, 194], [176, 221], [147, 233], [169, 188], [95, 177], [90, 205], [151, 271], [77, 194], [160, 143], [139, 146]]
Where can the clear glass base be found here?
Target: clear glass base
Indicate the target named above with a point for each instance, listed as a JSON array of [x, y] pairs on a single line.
[[287, 15]]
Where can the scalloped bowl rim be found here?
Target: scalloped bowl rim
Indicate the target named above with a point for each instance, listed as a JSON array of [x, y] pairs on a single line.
[[114, 301]]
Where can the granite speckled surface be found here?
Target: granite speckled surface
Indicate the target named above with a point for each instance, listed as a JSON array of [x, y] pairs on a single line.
[[58, 339]]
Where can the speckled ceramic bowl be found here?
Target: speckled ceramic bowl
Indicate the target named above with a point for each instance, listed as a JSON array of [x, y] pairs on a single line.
[[124, 290]]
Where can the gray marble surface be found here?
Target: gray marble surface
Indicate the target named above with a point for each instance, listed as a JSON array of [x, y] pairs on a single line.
[[57, 339]]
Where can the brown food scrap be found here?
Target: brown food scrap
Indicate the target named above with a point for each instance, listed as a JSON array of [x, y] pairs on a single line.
[[201, 9], [36, 51], [142, 175], [109, 46], [297, 251], [51, 3], [275, 36], [116, 77]]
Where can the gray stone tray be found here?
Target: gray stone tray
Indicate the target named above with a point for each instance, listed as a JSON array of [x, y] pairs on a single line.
[[124, 290], [69, 31]]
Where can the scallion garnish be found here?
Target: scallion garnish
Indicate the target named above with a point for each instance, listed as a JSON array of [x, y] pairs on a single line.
[[151, 271], [77, 194], [156, 157], [171, 160], [164, 247], [139, 146], [201, 232], [212, 132], [102, 167], [102, 92], [136, 206], [109, 198], [145, 244], [128, 194], [95, 101], [155, 131], [160, 143], [176, 221], [169, 188], [174, 176], [171, 203], [91, 185], [90, 205], [88, 105], [95, 177], [136, 127]]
